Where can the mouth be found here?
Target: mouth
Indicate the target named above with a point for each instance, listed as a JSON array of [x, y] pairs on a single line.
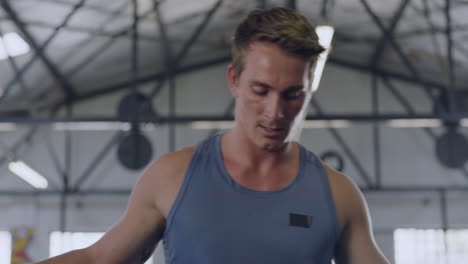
[[272, 131]]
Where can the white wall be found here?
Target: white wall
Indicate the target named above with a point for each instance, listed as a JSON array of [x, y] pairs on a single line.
[[407, 159]]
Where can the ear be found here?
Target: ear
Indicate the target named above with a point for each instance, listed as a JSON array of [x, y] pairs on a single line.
[[232, 81]]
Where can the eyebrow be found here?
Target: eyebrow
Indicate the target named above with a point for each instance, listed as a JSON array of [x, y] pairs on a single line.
[[260, 84], [289, 89], [295, 88]]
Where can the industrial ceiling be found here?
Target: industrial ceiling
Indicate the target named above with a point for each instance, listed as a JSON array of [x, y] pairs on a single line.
[[85, 49]]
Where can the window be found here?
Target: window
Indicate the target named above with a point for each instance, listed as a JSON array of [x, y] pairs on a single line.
[[64, 242], [430, 246], [5, 247]]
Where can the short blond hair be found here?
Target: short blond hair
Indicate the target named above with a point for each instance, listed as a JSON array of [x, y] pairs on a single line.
[[284, 27]]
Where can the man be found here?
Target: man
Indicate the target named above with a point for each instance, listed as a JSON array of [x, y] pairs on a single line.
[[249, 195]]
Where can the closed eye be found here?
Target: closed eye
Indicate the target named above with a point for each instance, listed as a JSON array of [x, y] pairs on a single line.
[[294, 94], [260, 88]]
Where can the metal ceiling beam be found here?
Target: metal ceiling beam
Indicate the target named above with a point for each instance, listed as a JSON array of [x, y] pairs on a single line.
[[15, 69], [399, 52], [91, 7], [440, 6], [444, 214], [452, 107], [410, 110], [53, 155], [417, 32], [435, 41], [161, 77], [148, 79], [91, 57], [100, 50], [169, 64], [217, 61], [356, 117], [39, 49], [376, 132], [167, 52], [325, 7], [188, 44], [24, 139], [342, 143], [424, 31], [389, 74], [66, 173], [400, 98], [461, 48], [111, 41], [86, 61], [85, 30], [96, 161], [380, 47], [134, 64], [374, 62], [96, 53]]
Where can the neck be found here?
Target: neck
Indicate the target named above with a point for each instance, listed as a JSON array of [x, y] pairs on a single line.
[[235, 142]]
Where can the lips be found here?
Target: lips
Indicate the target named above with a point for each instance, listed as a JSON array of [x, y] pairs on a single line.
[[271, 131]]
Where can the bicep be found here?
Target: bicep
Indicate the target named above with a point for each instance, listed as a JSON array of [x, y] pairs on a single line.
[[135, 236], [357, 244]]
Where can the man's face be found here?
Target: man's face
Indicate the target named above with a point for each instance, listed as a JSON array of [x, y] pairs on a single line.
[[270, 93]]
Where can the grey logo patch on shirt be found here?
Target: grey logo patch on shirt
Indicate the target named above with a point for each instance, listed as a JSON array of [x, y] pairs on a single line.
[[300, 220]]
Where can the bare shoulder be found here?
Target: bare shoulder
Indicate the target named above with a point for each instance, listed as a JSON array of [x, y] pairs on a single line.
[[166, 175], [341, 183], [347, 197], [171, 163]]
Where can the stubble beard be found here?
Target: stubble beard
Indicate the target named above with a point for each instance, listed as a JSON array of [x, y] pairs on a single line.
[[274, 147], [271, 145]]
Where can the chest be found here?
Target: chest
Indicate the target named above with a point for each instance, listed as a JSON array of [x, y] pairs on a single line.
[[262, 180], [215, 219], [253, 229]]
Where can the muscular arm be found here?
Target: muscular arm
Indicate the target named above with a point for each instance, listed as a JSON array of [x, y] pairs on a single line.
[[357, 244], [134, 237]]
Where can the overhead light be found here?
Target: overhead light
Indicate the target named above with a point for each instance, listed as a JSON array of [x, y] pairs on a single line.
[[28, 174], [6, 127], [11, 44], [403, 123], [464, 122], [100, 126], [306, 124], [325, 35], [212, 124], [326, 124], [415, 123], [91, 126]]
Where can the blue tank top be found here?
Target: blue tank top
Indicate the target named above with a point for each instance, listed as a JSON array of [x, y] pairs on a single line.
[[214, 220]]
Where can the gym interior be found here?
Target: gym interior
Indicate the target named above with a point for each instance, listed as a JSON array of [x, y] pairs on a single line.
[[91, 91]]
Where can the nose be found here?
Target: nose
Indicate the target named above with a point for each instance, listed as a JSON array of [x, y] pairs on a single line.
[[274, 109]]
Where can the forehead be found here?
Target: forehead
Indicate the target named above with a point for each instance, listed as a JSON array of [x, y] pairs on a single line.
[[267, 61]]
